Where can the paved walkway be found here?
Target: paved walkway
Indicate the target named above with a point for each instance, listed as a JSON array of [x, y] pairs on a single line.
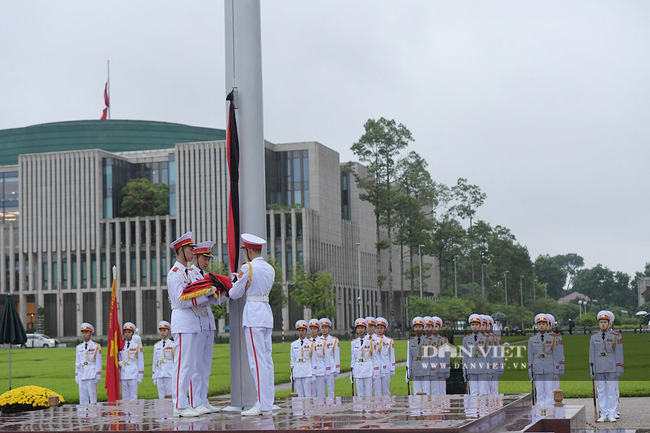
[[635, 413]]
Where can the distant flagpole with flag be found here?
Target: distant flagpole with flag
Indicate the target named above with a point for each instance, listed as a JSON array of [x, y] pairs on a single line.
[[106, 114], [232, 148], [115, 344]]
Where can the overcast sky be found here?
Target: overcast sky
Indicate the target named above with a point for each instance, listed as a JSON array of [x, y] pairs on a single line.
[[544, 105]]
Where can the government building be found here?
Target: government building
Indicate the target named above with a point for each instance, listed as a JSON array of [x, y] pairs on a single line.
[[63, 226]]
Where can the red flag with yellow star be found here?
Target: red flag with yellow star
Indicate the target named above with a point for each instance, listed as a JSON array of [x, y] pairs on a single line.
[[115, 344]]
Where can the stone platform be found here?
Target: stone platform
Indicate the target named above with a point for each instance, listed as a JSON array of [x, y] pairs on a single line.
[[414, 414]]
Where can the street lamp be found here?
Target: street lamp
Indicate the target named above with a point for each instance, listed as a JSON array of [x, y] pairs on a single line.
[[535, 290], [359, 272], [420, 255], [521, 290], [505, 284], [455, 277], [483, 265], [580, 301]]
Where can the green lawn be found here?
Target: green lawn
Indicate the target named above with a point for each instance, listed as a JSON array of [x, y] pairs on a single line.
[[54, 369]]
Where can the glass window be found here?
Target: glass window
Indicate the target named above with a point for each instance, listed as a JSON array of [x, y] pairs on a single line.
[[134, 272], [297, 172], [305, 165], [143, 268], [45, 267]]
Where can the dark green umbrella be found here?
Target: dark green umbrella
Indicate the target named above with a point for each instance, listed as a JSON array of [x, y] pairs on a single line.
[[12, 330]]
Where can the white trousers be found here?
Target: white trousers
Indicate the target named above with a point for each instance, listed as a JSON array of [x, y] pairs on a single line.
[[544, 385], [87, 391], [319, 387], [200, 382], [258, 343], [364, 386], [303, 386], [383, 384], [607, 398], [420, 386], [129, 389], [438, 386], [493, 385], [330, 382], [164, 385], [478, 384], [184, 368]]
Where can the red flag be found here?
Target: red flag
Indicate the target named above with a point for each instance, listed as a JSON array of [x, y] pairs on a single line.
[[107, 102], [115, 344], [232, 147]]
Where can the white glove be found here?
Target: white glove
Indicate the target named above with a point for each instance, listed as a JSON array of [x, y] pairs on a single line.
[[155, 382], [351, 379], [139, 380], [374, 378], [233, 277], [313, 379], [121, 364]]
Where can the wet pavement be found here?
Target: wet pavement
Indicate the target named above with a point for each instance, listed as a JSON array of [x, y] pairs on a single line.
[[397, 413]]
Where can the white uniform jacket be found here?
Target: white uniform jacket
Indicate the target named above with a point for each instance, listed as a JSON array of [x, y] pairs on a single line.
[[88, 363], [186, 315], [385, 349], [362, 359], [257, 311], [439, 356], [131, 361], [332, 355], [163, 359], [301, 362], [318, 356]]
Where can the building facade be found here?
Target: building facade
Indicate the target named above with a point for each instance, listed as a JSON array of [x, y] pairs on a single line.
[[63, 226]]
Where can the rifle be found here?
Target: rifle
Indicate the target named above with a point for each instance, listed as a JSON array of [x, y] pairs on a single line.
[[352, 382], [593, 392], [466, 378], [533, 392], [408, 382], [293, 386]]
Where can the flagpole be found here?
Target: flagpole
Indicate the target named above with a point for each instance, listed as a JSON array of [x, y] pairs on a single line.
[[108, 81]]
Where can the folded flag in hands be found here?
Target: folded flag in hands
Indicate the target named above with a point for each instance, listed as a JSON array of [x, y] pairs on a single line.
[[210, 284]]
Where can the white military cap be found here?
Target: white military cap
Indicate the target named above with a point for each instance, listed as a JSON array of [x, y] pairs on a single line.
[[484, 318], [541, 317], [360, 322], [301, 324], [437, 321], [382, 321], [611, 315], [204, 248], [87, 327], [417, 320], [183, 241], [551, 319], [371, 321], [129, 326], [606, 315], [251, 241], [428, 320], [314, 322], [490, 319], [325, 321], [163, 324], [474, 318]]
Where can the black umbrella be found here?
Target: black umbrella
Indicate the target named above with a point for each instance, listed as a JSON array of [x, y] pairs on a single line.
[[12, 330], [499, 315]]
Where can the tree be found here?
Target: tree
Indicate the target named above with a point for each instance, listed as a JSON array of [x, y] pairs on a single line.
[[605, 286], [570, 263], [314, 291], [140, 197], [378, 148], [468, 198], [547, 270]]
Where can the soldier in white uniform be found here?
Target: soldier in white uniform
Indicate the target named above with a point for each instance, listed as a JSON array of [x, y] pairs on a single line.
[[385, 349], [317, 358], [362, 365], [606, 365], [88, 366], [497, 366], [186, 324], [543, 361], [474, 357], [440, 360], [332, 356], [162, 368], [417, 358], [204, 346], [302, 369], [131, 362], [559, 347], [372, 323], [255, 280], [618, 397]]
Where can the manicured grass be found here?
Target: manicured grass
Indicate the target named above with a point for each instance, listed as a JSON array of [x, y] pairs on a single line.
[[54, 369]]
